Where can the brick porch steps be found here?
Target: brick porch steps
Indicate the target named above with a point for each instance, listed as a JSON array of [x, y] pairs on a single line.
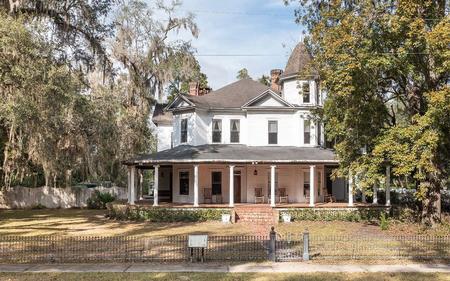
[[258, 214]]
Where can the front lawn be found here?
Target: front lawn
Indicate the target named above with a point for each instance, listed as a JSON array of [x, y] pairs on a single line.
[[225, 277], [76, 222]]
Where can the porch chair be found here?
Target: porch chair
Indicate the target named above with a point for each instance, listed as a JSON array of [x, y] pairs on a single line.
[[259, 197], [207, 195], [283, 196], [217, 199]]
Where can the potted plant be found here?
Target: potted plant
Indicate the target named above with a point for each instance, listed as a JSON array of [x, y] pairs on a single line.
[[286, 217], [226, 218]]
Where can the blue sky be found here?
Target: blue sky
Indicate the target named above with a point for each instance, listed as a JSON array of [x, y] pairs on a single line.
[[230, 27]]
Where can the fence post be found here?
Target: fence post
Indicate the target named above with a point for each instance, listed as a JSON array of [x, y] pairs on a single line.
[[306, 245], [272, 244]]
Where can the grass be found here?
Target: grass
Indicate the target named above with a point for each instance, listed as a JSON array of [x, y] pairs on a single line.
[[77, 222], [224, 277]]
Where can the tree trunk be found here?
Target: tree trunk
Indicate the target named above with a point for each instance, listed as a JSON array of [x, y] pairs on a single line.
[[431, 205]]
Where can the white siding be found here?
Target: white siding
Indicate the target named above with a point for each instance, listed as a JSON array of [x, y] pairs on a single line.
[[164, 137], [292, 92]]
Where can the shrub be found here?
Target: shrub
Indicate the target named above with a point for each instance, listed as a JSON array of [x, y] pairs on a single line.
[[124, 212], [39, 206], [384, 222], [332, 215], [99, 200]]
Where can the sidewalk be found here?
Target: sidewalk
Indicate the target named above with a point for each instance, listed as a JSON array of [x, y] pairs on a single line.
[[292, 267]]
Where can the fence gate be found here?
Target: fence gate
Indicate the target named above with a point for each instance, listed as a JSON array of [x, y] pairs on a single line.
[[289, 247]]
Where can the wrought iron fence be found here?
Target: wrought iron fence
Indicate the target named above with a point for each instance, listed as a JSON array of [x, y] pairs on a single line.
[[48, 249]]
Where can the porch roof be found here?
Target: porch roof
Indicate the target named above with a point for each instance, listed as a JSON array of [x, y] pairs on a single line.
[[236, 153]]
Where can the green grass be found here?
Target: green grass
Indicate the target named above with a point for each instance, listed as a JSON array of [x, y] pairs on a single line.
[[224, 277]]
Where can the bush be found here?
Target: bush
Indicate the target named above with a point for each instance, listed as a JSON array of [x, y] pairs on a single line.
[[384, 222], [332, 215], [39, 206], [99, 200], [124, 212]]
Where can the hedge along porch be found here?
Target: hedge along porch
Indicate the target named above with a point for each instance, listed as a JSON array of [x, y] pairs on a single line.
[[231, 174]]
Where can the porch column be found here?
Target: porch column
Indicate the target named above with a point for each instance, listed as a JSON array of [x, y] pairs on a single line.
[[350, 189], [312, 184], [231, 186], [375, 195], [141, 183], [132, 186], [129, 183], [155, 185], [195, 185], [272, 185], [388, 185]]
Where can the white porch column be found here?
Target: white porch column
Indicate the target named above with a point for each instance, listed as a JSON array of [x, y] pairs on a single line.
[[231, 186], [312, 185], [129, 184], [350, 189], [141, 183], [132, 186], [195, 185], [388, 185], [272, 185], [375, 195], [155, 185]]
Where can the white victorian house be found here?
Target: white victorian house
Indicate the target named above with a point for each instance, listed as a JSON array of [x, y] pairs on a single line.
[[244, 143]]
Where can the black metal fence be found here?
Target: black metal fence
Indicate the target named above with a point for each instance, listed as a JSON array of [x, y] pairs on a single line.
[[49, 249]]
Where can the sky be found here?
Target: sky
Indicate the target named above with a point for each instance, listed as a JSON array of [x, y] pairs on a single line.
[[242, 27]]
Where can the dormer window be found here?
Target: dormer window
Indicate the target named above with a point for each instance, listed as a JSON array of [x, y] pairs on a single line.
[[183, 131], [217, 131], [306, 92]]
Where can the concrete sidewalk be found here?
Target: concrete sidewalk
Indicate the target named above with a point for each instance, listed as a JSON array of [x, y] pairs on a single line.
[[210, 267]]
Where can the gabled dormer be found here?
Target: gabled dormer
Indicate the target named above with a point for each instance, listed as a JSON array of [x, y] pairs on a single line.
[[268, 100]]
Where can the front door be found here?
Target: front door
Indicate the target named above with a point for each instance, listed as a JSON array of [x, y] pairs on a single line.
[[237, 187]]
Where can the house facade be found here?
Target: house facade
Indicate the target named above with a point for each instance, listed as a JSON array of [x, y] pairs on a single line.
[[245, 143]]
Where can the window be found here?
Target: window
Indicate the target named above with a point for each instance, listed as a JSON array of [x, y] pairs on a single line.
[[184, 183], [217, 131], [305, 92], [306, 131], [216, 183], [306, 183], [273, 132], [319, 134], [234, 131], [183, 129]]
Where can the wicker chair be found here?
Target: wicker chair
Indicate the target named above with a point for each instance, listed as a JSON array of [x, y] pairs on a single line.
[[207, 195], [259, 196], [283, 195]]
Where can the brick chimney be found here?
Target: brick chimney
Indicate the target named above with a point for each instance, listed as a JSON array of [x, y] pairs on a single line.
[[275, 80], [193, 88]]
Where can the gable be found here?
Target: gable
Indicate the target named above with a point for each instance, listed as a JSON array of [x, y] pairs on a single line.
[[179, 102], [267, 99]]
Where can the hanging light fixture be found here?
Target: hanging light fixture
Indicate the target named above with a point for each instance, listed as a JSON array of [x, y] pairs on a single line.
[[255, 172]]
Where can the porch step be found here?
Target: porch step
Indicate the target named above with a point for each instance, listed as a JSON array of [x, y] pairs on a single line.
[[255, 214]]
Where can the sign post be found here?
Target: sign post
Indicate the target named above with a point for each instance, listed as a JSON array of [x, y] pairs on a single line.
[[198, 241]]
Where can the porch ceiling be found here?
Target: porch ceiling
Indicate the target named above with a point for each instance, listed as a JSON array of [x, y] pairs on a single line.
[[237, 153]]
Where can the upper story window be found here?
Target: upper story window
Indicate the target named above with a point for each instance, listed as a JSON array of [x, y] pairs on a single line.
[[306, 131], [273, 132], [183, 130], [306, 92], [217, 131], [234, 131]]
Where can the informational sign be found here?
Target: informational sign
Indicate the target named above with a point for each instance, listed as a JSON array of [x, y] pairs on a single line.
[[198, 241]]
